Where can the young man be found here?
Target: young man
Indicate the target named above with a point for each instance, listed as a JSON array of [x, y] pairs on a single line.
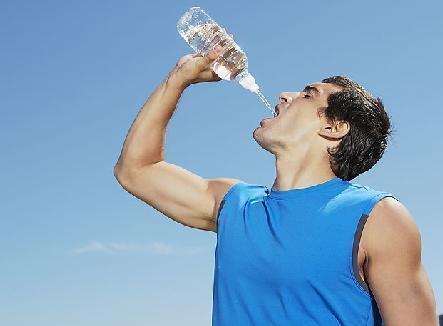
[[295, 254]]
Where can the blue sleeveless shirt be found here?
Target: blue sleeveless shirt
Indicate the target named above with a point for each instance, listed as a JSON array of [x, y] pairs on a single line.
[[289, 257]]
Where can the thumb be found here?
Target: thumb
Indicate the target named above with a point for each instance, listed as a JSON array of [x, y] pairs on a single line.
[[213, 54]]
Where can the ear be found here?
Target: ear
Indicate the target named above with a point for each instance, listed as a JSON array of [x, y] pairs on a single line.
[[334, 130]]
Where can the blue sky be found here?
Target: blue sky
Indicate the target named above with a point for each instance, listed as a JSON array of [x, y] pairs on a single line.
[[79, 250]]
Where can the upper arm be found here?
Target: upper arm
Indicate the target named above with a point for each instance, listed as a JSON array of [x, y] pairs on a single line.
[[395, 273], [178, 193]]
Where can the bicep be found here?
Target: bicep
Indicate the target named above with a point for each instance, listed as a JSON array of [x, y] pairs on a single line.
[[179, 194], [403, 297], [396, 275]]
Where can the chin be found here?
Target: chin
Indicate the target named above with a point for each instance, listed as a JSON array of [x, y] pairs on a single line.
[[258, 136]]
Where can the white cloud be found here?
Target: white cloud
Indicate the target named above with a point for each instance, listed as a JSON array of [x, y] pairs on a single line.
[[156, 248]]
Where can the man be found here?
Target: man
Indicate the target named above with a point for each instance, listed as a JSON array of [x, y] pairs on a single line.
[[295, 254]]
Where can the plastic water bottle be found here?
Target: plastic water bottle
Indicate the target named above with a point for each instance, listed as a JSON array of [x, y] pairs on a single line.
[[202, 33]]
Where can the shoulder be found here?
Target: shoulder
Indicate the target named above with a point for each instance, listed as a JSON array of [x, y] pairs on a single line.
[[391, 230]]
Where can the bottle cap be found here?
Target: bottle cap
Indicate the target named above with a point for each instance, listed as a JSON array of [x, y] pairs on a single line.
[[248, 82]]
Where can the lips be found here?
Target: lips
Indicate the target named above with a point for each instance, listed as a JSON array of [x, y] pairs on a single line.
[[265, 121]]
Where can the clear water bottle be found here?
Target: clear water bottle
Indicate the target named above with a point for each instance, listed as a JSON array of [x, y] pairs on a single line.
[[202, 33]]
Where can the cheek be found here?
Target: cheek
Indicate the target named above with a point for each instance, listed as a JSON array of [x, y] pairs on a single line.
[[303, 122], [304, 116]]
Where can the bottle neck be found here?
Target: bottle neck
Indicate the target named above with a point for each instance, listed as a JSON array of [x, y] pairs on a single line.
[[247, 81]]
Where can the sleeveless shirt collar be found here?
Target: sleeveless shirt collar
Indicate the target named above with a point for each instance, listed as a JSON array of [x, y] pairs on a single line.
[[327, 185]]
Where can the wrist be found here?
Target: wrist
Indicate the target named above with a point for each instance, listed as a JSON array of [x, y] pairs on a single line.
[[177, 80]]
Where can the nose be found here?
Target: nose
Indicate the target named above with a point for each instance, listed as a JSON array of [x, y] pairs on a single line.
[[284, 98], [288, 97]]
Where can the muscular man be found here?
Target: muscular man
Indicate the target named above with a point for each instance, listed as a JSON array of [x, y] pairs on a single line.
[[315, 249]]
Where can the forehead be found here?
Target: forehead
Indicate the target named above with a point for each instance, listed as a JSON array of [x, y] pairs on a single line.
[[326, 88]]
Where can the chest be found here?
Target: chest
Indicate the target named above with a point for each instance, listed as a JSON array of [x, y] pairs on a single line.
[[273, 257], [274, 245]]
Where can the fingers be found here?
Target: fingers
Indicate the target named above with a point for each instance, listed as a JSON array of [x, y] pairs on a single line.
[[203, 62], [213, 54], [209, 76]]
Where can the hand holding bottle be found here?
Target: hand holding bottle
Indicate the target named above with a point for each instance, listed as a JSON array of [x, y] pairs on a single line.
[[196, 68], [204, 35]]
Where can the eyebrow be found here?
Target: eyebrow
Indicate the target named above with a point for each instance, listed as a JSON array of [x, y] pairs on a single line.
[[311, 88]]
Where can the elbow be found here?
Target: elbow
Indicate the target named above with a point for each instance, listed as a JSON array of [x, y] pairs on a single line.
[[117, 170], [121, 173]]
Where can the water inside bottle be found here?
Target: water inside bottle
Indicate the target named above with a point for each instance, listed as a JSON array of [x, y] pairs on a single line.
[[203, 38], [232, 61]]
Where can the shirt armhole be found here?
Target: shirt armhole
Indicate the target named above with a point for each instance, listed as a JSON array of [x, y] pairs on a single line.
[[361, 284], [226, 197], [375, 199]]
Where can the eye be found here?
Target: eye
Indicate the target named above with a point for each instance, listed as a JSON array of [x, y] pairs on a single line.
[[307, 96]]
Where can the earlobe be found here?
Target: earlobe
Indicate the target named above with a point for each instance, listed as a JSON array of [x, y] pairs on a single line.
[[327, 133]]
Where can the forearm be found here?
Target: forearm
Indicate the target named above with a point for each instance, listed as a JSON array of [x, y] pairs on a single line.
[[144, 143]]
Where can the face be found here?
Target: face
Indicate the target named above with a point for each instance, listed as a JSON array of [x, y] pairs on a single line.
[[299, 122]]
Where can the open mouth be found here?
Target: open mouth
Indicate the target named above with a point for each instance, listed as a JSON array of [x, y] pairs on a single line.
[[267, 120], [276, 111]]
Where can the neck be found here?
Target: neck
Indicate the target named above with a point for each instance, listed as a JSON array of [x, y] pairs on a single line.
[[301, 170]]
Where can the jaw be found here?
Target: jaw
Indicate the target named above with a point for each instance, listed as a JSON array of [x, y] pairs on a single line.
[[264, 138]]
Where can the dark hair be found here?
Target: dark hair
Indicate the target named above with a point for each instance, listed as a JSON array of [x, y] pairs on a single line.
[[370, 127]]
